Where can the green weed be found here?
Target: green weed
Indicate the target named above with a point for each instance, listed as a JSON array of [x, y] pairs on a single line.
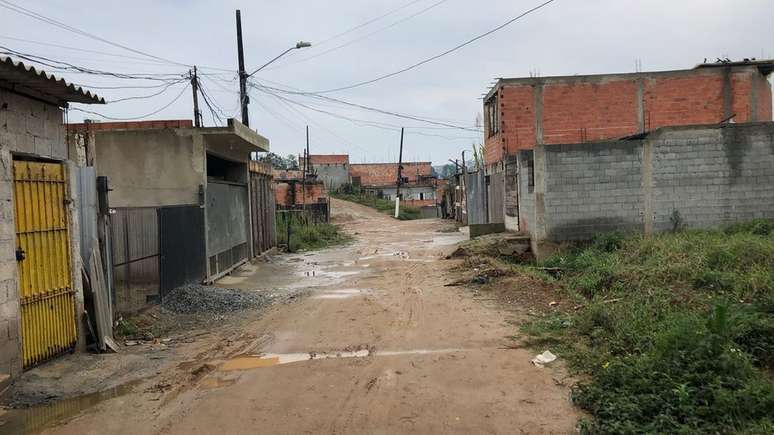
[[676, 333]]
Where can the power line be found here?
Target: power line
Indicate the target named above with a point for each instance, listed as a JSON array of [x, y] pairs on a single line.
[[68, 67], [377, 110], [84, 50], [144, 97], [366, 36], [136, 117], [437, 56], [356, 121], [21, 10], [360, 26]]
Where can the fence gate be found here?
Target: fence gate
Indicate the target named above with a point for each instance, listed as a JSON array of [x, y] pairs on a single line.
[[43, 260]]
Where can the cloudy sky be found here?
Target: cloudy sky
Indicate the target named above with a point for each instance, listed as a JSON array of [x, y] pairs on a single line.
[[358, 40]]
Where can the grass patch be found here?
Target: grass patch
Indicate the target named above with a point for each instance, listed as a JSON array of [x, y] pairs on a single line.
[[675, 332], [383, 205], [308, 237]]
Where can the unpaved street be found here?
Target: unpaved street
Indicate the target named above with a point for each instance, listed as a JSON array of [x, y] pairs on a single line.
[[376, 345]]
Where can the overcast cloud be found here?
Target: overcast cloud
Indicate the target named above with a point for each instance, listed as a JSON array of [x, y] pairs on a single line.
[[566, 37]]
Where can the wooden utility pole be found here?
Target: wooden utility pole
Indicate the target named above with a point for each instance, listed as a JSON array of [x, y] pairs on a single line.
[[400, 176], [195, 87], [244, 100]]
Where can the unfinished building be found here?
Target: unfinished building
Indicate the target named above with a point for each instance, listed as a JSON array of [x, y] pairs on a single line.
[[179, 200], [546, 114], [41, 293]]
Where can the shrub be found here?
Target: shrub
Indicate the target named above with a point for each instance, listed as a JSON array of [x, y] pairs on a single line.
[[676, 333]]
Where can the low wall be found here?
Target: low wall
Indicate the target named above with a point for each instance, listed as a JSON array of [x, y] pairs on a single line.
[[697, 176]]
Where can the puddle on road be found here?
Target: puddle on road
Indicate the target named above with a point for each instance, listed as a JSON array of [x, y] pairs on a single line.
[[268, 360], [339, 294], [250, 362], [37, 418]]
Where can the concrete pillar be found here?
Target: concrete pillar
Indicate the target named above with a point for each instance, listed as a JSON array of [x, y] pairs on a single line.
[[648, 210], [755, 79], [538, 94], [640, 103], [538, 225], [728, 93]]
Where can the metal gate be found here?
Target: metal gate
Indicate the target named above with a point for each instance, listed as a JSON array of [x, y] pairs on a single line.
[[43, 260], [183, 255]]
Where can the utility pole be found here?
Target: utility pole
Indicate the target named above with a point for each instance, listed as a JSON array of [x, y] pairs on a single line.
[[243, 98], [308, 161], [195, 87], [400, 167], [464, 169]]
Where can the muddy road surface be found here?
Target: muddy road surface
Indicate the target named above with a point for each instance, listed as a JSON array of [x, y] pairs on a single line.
[[375, 344]]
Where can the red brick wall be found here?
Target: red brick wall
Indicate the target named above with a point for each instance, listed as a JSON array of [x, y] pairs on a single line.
[[326, 159], [591, 108], [311, 193], [386, 174], [603, 110]]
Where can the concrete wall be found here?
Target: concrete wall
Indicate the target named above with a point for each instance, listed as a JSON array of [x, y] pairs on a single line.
[[576, 109], [708, 175], [511, 195], [409, 193], [333, 175], [593, 188], [30, 128], [149, 168]]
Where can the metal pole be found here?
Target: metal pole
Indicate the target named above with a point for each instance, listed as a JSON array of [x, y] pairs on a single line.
[[195, 87], [400, 167], [243, 98]]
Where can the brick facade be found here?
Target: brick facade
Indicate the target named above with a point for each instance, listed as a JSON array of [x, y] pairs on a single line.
[[288, 194], [386, 174], [579, 109]]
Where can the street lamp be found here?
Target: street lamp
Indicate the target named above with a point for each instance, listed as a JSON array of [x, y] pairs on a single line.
[[299, 44], [243, 76]]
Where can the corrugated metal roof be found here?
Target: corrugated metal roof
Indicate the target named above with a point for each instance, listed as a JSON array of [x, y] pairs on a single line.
[[27, 80]]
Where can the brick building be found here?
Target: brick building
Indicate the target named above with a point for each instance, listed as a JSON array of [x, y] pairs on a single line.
[[380, 179], [522, 112], [331, 169]]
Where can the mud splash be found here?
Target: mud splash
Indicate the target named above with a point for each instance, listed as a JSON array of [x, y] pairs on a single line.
[[35, 419]]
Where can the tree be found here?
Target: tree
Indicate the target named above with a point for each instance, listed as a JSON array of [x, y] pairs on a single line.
[[279, 162]]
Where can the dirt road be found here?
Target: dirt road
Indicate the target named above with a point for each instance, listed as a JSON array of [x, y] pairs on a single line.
[[378, 345]]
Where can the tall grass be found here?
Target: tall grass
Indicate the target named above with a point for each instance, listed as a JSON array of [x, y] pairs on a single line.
[[675, 331], [307, 236]]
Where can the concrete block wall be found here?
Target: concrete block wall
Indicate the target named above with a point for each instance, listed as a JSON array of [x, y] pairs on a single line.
[[592, 188], [511, 194], [333, 175], [526, 195], [10, 317], [31, 128], [713, 176], [707, 175]]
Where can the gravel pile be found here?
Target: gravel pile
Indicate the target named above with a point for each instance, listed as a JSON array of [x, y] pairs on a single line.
[[195, 299]]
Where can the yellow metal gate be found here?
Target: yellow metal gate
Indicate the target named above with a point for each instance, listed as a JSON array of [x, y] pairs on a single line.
[[43, 260]]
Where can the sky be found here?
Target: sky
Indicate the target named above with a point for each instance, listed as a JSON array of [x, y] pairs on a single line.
[[358, 40]]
